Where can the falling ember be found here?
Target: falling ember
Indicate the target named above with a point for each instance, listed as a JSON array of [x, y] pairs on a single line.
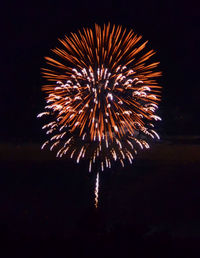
[[96, 192], [102, 96]]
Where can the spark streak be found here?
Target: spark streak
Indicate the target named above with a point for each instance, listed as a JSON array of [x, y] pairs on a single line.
[[97, 190]]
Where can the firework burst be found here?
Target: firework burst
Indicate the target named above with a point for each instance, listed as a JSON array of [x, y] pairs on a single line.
[[101, 96]]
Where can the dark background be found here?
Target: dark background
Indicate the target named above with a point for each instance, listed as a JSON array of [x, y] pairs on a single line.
[[151, 208]]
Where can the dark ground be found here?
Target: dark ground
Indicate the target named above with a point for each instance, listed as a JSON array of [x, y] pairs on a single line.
[[150, 209]]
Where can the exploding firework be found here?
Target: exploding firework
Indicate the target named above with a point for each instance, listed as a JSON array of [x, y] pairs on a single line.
[[101, 96]]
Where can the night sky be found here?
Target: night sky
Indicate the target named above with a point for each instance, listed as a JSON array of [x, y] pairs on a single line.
[[30, 30], [156, 204]]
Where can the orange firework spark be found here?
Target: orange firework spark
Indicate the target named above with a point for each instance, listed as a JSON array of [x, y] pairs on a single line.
[[101, 96]]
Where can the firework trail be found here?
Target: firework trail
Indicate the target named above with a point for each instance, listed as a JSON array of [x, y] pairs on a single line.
[[96, 190], [101, 96]]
